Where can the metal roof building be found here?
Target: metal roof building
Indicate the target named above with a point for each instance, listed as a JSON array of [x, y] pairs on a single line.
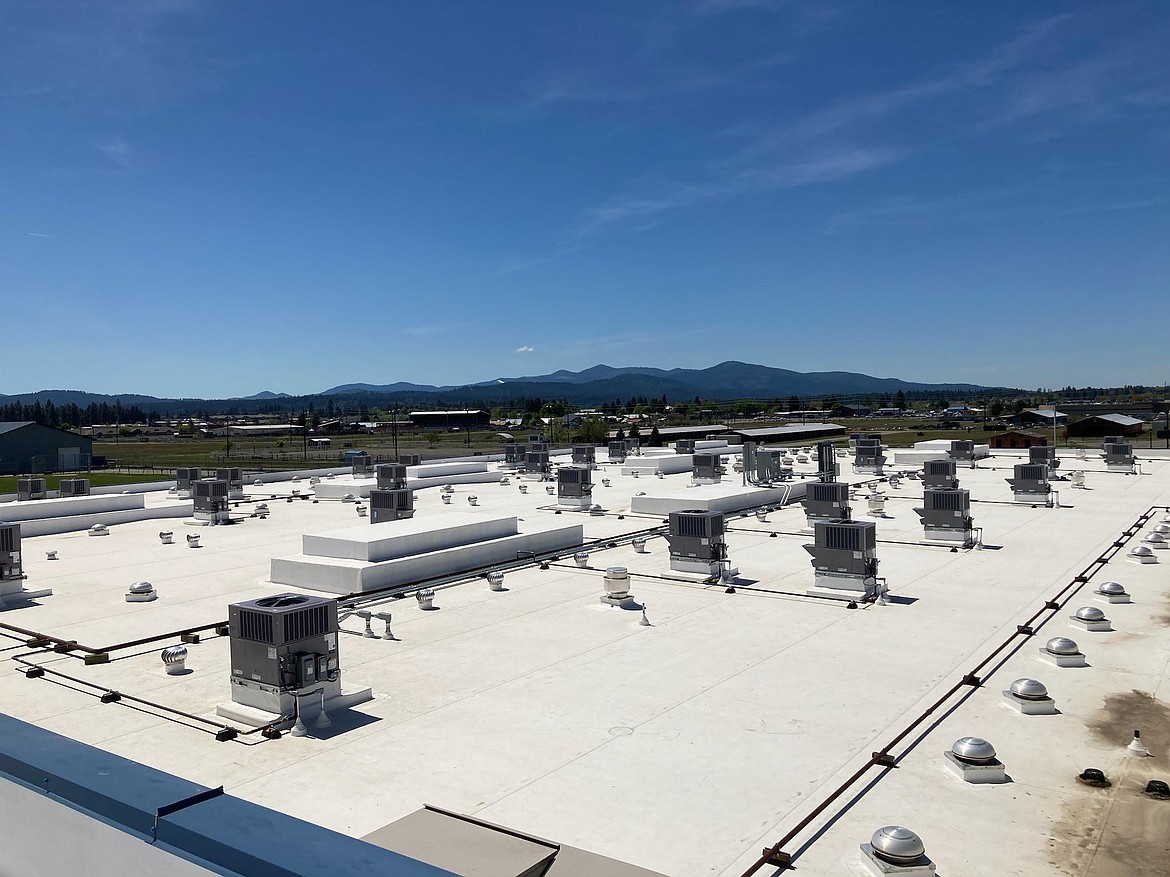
[[33, 448], [1107, 424]]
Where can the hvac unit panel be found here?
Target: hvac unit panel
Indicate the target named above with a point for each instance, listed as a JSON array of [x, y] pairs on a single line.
[[617, 451], [410, 459], [514, 453], [684, 446]]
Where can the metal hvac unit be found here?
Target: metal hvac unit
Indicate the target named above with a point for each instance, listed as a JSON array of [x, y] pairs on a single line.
[[827, 468], [939, 474], [867, 455], [514, 455], [537, 448], [362, 465], [391, 504], [280, 646], [535, 438], [574, 486], [633, 444], [184, 478], [536, 463], [73, 487], [11, 569], [1118, 457], [584, 455], [1112, 440], [706, 468], [391, 476], [946, 514], [617, 452], [234, 476], [764, 466], [1030, 484], [1044, 454], [826, 500], [30, 488], [410, 459], [684, 446], [962, 449], [844, 555], [696, 540], [211, 500]]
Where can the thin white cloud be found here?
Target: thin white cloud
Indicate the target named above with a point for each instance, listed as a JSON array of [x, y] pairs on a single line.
[[37, 234], [733, 182], [116, 150], [525, 349]]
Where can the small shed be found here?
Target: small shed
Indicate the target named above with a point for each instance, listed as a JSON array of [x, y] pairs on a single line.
[[1018, 438]]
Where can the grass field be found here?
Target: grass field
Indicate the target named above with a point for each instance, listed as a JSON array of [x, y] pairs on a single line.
[[96, 479]]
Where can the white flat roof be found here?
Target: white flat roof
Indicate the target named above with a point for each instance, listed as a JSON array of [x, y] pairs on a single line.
[[688, 745]]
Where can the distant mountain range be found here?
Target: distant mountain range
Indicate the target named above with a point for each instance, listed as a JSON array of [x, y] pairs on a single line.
[[601, 383], [727, 380]]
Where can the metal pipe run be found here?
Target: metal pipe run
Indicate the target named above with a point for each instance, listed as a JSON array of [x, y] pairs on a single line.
[[221, 731], [776, 855]]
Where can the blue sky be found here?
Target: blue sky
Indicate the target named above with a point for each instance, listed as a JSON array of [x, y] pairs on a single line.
[[214, 198]]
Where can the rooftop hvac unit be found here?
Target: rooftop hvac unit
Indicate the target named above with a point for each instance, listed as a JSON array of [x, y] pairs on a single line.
[[279, 645], [696, 540], [1030, 483], [391, 476], [362, 466], [30, 488], [946, 514], [11, 568], [535, 438], [827, 468], [537, 448], [684, 446], [868, 454], [536, 461], [184, 478], [584, 454], [706, 468], [764, 465], [410, 459], [233, 475], [617, 452], [391, 504], [574, 482], [73, 487], [1112, 440], [514, 454], [962, 449], [211, 500], [1118, 455], [1044, 454], [844, 554], [633, 443], [827, 499], [939, 474]]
